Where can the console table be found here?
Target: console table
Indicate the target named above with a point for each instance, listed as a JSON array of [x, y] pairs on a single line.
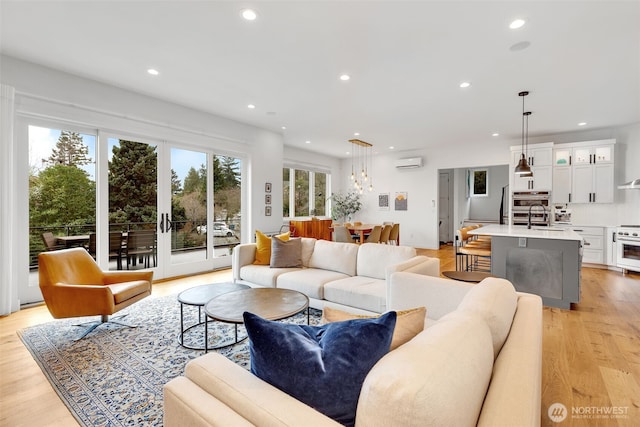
[[316, 228]]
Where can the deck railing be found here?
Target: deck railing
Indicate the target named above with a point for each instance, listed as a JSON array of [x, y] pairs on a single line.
[[185, 236]]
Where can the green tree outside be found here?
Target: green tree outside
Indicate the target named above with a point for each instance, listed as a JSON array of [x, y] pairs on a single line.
[[133, 188]]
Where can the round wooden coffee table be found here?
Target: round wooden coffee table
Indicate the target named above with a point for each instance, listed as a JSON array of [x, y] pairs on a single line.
[[198, 296], [467, 276], [268, 303]]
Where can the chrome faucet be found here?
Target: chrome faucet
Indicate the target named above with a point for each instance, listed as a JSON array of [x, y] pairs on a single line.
[[543, 210]]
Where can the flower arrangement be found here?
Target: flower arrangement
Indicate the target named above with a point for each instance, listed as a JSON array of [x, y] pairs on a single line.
[[343, 206]]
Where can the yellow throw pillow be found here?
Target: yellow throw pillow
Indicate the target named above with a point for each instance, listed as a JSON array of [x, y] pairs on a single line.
[[263, 247], [408, 324]]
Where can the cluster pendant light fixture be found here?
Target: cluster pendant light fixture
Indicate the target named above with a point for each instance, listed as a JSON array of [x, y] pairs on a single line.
[[361, 164], [523, 169]]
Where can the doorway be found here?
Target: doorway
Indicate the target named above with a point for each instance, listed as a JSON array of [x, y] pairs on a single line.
[[445, 206]]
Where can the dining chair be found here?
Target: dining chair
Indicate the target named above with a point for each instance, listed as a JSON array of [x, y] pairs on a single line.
[[141, 245], [394, 236], [385, 233], [116, 247], [50, 243], [92, 245], [73, 285], [374, 236], [341, 234]]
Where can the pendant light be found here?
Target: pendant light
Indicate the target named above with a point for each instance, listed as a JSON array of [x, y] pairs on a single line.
[[523, 169], [360, 164]]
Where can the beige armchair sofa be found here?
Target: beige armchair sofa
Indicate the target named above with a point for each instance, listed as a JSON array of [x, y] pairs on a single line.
[[478, 362], [340, 275]]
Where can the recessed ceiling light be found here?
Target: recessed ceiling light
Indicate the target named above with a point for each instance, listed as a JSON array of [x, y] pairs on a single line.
[[153, 71], [517, 23], [307, 142], [392, 148], [582, 124], [284, 128], [251, 106], [356, 134], [249, 14], [345, 77], [495, 134], [465, 84]]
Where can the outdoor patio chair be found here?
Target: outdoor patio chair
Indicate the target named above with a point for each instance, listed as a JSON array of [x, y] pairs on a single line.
[[50, 243], [141, 244]]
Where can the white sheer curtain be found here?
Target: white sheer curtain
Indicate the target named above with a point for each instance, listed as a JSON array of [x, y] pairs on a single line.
[[9, 301]]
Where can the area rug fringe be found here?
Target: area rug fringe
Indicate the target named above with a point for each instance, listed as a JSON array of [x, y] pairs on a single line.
[[114, 376]]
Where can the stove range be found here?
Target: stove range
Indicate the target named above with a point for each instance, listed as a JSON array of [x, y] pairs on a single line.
[[628, 247]]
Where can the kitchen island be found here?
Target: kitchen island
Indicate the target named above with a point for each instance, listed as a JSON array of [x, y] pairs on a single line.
[[544, 261]]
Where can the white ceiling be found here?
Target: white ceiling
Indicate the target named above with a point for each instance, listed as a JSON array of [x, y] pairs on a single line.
[[406, 61]]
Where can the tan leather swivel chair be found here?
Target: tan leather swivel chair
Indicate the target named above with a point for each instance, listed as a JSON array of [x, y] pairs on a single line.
[[73, 285]]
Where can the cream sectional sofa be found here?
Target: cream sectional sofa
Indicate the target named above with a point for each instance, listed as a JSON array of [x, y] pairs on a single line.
[[477, 362], [341, 275]]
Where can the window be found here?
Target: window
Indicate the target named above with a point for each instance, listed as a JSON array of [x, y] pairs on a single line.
[[304, 193], [479, 183], [62, 188]]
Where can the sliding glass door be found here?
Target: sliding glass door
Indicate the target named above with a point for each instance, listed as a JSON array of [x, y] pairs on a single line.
[[132, 203]]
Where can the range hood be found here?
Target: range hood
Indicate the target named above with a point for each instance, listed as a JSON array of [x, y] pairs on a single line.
[[631, 185]]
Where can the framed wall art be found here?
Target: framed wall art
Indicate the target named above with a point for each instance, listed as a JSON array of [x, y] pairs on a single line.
[[383, 201], [401, 201]]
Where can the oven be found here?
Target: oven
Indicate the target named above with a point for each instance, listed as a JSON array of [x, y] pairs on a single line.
[[536, 202], [628, 247]]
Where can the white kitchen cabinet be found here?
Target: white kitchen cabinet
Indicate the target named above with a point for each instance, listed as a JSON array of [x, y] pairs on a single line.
[[611, 249], [593, 154], [561, 192], [539, 156], [583, 172], [562, 156], [540, 159], [592, 183], [593, 244]]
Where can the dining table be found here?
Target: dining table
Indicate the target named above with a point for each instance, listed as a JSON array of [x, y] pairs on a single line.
[[73, 240], [361, 230]]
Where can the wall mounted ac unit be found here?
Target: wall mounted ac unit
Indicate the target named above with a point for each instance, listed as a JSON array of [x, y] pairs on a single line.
[[409, 163]]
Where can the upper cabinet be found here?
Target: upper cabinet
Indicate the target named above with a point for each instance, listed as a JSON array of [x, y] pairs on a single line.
[[540, 159], [583, 172]]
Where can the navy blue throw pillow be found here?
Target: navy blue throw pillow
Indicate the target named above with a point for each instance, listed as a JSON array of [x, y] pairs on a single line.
[[322, 366]]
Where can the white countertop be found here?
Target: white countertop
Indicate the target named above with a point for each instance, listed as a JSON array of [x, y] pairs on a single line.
[[551, 233]]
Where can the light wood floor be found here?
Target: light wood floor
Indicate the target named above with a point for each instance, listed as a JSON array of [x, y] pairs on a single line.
[[591, 354]]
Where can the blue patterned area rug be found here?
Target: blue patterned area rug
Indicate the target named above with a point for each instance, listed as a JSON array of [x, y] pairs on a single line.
[[114, 376]]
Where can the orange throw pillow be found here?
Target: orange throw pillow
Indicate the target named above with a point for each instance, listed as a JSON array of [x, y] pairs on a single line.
[[263, 247], [409, 322]]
